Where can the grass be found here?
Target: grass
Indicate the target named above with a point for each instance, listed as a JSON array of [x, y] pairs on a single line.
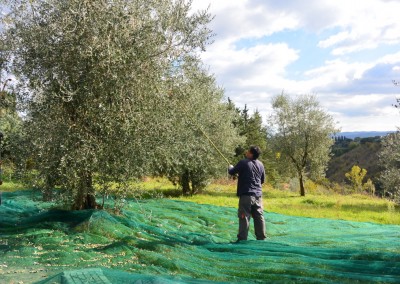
[[355, 207], [11, 186]]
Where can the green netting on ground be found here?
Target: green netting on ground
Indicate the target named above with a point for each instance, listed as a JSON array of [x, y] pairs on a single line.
[[166, 241]]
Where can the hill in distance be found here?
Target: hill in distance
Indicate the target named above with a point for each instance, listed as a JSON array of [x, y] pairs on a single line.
[[364, 134], [364, 155]]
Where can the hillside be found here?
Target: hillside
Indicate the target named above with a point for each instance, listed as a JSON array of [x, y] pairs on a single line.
[[365, 155], [363, 134]]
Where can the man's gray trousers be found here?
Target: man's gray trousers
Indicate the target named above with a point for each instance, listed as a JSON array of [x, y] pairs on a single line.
[[251, 206]]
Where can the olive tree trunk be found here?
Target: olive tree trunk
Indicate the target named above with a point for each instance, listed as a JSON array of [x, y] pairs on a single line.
[[85, 198]]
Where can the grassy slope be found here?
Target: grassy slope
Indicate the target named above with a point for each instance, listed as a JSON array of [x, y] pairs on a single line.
[[355, 207], [365, 156]]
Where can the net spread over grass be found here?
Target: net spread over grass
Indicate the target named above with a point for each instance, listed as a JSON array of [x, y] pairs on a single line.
[[167, 241]]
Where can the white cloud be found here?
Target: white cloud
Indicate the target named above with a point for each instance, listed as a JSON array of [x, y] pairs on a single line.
[[240, 19], [369, 123], [338, 71], [363, 112], [363, 25], [252, 70]]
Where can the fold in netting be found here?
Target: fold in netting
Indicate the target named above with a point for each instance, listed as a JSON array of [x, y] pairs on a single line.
[[167, 241]]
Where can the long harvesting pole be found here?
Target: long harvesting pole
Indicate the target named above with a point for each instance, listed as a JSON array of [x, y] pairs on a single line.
[[212, 143]]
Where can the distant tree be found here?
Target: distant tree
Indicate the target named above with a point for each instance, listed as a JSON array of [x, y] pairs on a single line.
[[256, 133], [343, 145], [389, 159], [238, 123], [240, 118], [230, 105], [356, 176], [94, 78], [245, 116], [252, 129], [301, 132]]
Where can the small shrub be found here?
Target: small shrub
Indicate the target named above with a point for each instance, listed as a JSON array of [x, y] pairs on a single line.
[[337, 188], [369, 187], [356, 176], [311, 187]]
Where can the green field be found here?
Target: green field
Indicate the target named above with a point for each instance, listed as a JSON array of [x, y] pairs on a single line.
[[356, 207]]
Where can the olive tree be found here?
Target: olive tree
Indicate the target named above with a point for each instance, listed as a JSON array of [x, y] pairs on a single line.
[[200, 121], [302, 133], [93, 78], [389, 159]]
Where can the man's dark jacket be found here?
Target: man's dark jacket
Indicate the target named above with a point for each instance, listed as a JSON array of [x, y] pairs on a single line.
[[251, 177]]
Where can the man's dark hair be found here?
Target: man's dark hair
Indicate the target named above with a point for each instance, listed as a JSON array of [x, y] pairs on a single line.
[[255, 150]]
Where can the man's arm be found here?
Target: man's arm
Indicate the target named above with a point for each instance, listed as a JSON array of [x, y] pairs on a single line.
[[262, 174], [233, 170], [263, 177]]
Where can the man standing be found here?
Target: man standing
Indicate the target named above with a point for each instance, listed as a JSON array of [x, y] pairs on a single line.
[[251, 176]]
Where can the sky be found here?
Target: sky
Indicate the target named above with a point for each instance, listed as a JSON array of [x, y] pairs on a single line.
[[345, 52]]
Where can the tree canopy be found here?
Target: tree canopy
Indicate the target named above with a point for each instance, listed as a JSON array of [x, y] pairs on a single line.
[[95, 79], [301, 133]]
